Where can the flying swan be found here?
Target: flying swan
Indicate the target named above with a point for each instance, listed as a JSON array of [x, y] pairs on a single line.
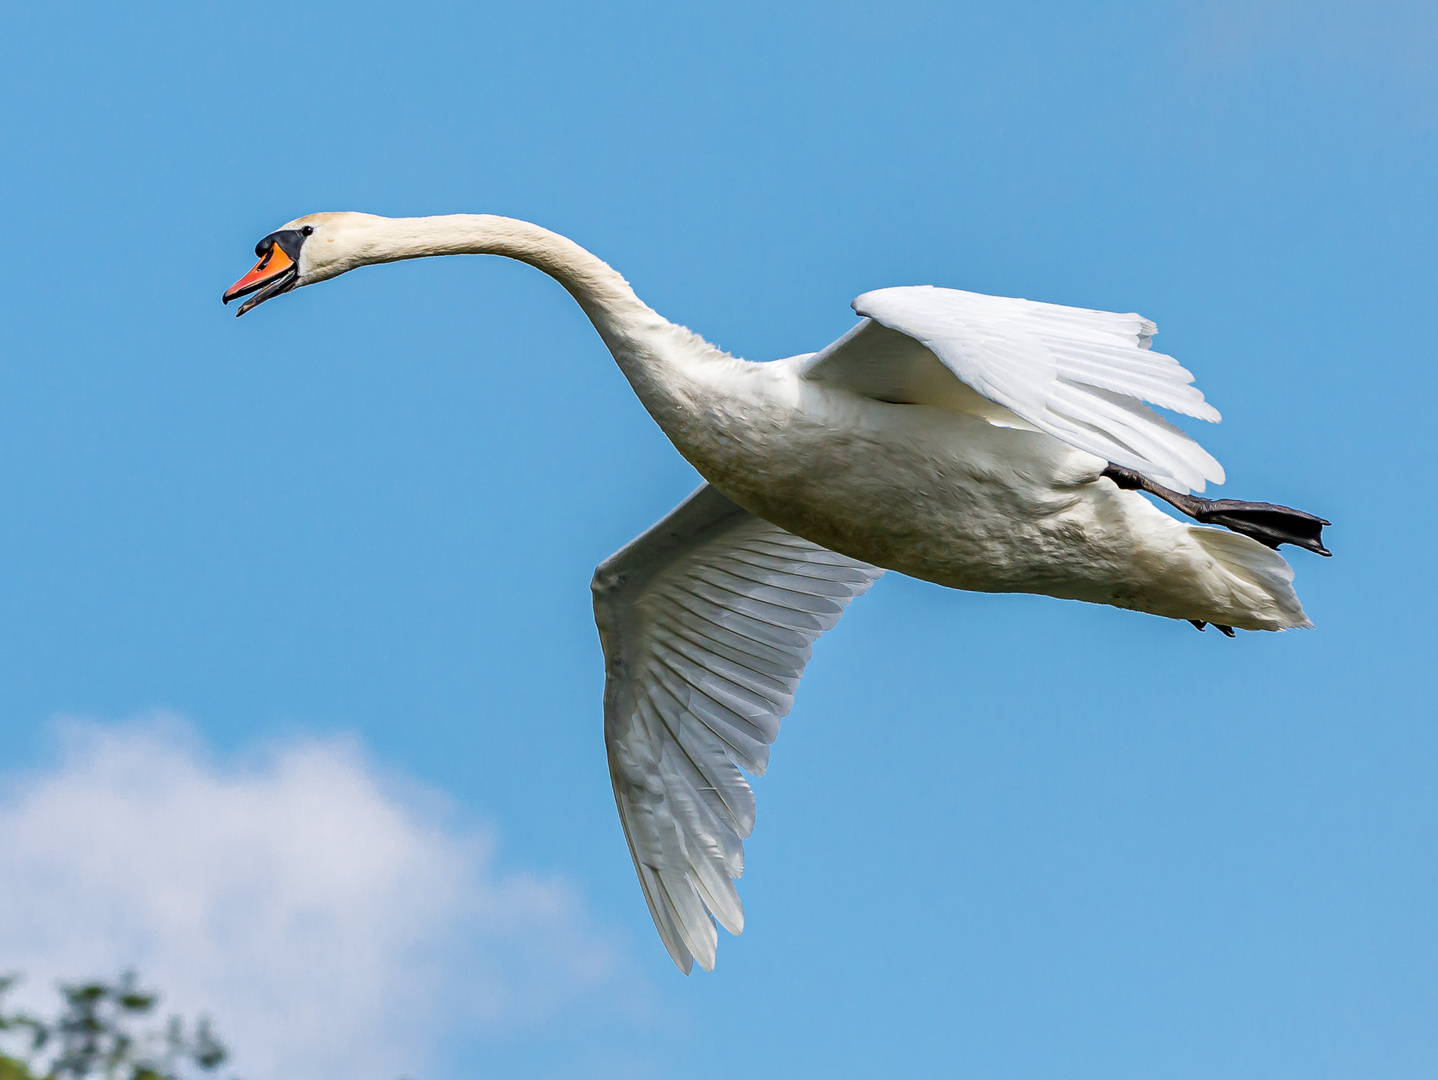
[[979, 442]]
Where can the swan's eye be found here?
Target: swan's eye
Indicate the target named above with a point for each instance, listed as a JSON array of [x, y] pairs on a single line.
[[308, 230]]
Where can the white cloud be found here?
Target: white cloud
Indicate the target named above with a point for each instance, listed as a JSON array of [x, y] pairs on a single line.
[[329, 925]]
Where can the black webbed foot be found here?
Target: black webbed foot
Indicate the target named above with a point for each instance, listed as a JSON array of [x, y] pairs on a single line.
[[1226, 631], [1267, 523]]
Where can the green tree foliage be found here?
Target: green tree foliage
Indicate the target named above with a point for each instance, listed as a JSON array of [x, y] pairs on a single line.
[[96, 1036]]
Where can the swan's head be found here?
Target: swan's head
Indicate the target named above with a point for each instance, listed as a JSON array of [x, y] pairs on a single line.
[[306, 250]]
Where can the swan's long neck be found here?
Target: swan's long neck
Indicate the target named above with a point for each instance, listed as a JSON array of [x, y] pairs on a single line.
[[658, 358]]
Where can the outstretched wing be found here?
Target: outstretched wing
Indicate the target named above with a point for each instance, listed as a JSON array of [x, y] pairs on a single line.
[[1081, 376], [706, 622]]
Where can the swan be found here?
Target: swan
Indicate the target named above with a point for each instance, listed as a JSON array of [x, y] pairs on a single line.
[[977, 442]]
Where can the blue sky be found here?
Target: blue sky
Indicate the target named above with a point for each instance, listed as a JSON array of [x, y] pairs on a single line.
[[1002, 836]]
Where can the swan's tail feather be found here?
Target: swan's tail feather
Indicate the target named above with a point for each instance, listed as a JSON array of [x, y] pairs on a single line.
[[1256, 583]]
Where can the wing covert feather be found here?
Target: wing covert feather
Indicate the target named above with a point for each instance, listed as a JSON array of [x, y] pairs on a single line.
[[1081, 376]]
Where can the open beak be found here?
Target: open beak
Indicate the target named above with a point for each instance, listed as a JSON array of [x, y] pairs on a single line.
[[275, 273]]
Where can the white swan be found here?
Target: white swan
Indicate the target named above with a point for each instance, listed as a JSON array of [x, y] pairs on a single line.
[[974, 441]]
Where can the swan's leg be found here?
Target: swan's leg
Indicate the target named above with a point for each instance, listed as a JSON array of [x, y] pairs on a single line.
[[1265, 522]]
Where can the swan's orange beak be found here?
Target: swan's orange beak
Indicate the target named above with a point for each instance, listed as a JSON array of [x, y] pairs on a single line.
[[273, 274]]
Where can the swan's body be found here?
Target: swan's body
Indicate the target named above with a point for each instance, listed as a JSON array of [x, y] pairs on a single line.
[[952, 498], [962, 439]]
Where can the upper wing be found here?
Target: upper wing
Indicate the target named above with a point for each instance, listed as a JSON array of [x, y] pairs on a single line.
[[706, 622], [1081, 376]]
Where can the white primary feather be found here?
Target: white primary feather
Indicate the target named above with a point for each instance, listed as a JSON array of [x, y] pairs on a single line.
[[1081, 376], [707, 622]]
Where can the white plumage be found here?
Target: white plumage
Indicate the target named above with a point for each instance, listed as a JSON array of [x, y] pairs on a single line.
[[707, 621], [1081, 376], [967, 440]]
